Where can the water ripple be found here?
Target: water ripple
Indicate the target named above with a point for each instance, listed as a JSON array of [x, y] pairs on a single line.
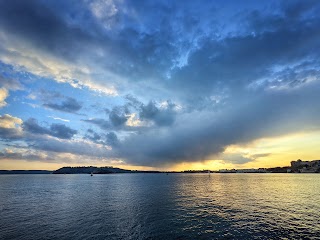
[[159, 206]]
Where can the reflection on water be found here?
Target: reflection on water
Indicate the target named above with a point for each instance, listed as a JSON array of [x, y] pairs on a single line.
[[159, 206]]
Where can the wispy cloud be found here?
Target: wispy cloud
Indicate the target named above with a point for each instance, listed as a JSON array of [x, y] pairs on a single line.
[[60, 119]]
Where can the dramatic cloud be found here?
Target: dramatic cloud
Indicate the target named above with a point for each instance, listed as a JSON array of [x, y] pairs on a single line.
[[206, 134], [157, 83]]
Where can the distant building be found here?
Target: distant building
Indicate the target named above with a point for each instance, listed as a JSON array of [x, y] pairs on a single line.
[[305, 166], [298, 166], [252, 170], [227, 171]]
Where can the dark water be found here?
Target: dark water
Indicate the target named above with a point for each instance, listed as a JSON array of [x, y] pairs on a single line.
[[159, 206]]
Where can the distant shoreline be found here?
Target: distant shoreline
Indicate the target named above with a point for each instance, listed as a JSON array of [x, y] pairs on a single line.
[[26, 172], [298, 166]]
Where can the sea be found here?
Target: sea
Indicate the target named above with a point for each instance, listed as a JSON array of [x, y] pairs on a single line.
[[160, 206]]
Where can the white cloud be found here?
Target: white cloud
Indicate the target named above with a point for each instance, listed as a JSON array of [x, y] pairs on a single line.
[[3, 95], [10, 127], [8, 121], [32, 96]]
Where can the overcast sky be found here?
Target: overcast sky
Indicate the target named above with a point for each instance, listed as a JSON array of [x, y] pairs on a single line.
[[159, 84]]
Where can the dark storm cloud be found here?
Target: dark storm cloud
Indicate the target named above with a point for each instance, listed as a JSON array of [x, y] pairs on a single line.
[[207, 134], [56, 130], [70, 105]]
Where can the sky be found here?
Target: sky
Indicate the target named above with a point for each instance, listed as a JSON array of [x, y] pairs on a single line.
[[167, 85]]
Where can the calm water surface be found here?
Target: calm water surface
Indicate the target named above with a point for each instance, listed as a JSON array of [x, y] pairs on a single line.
[[159, 206]]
